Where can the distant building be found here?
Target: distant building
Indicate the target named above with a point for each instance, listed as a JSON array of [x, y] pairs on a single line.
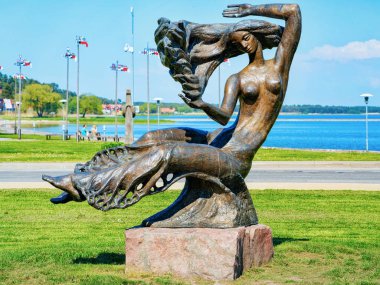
[[167, 110], [109, 108], [7, 105]]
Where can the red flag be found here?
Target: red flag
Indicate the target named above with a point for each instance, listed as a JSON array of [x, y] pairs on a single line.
[[120, 67], [83, 42], [150, 51], [123, 68], [18, 76], [70, 55], [27, 63]]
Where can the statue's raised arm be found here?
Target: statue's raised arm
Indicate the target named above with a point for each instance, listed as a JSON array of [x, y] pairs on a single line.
[[291, 35]]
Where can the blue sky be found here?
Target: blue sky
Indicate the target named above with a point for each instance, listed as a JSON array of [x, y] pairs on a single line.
[[338, 57]]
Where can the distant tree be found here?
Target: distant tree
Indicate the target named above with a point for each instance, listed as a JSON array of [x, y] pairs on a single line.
[[8, 91], [88, 104], [41, 98], [144, 108]]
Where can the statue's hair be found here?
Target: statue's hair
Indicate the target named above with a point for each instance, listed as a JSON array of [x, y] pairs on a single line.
[[192, 51]]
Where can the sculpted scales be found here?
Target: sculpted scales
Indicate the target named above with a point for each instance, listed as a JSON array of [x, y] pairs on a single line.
[[213, 163]]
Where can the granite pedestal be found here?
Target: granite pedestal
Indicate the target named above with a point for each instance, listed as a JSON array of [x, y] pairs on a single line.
[[209, 253]]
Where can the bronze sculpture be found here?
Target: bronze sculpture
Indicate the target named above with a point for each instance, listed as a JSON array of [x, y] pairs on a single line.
[[214, 164]]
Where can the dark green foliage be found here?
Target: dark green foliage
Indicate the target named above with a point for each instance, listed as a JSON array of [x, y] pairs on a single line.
[[41, 98], [88, 104], [319, 109], [110, 145]]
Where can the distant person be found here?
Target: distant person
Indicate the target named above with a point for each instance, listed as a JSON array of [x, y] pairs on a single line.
[[94, 130], [84, 132]]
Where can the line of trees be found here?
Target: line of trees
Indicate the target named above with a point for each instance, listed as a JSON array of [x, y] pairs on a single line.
[[319, 109], [44, 98]]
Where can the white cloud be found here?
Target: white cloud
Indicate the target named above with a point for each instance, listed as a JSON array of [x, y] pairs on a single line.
[[351, 51]]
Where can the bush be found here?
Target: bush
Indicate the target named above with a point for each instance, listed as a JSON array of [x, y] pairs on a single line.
[[110, 145]]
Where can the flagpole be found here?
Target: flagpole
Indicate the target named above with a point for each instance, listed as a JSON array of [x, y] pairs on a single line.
[[16, 109], [77, 132], [147, 81], [133, 55], [116, 135], [67, 97], [19, 102]]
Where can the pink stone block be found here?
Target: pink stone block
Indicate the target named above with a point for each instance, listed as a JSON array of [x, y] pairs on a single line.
[[208, 253]]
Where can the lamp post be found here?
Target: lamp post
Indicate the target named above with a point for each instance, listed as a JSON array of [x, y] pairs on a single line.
[[366, 98], [117, 67], [64, 123], [133, 55], [15, 105], [80, 41], [147, 85], [20, 63], [68, 55], [148, 51], [158, 102]]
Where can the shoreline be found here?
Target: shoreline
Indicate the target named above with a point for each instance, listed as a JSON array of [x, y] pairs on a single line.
[[30, 132]]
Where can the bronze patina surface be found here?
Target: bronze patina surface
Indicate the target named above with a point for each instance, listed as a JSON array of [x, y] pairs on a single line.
[[214, 164]]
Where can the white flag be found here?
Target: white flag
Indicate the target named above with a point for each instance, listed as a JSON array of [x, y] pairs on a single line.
[[128, 48]]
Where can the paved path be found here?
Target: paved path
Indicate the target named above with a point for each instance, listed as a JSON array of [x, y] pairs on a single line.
[[264, 175]]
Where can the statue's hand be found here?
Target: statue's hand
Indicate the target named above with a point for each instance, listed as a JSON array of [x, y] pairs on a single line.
[[196, 104], [238, 10]]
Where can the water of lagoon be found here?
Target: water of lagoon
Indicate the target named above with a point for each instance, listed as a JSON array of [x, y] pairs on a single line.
[[336, 132]]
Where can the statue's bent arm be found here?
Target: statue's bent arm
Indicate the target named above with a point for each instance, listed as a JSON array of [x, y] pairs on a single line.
[[223, 114]]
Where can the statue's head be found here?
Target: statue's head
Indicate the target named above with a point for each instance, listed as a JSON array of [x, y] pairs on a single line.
[[244, 41], [193, 51]]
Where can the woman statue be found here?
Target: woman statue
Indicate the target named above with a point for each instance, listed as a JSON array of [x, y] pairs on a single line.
[[216, 163]]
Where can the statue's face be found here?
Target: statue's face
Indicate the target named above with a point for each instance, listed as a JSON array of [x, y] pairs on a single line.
[[244, 41]]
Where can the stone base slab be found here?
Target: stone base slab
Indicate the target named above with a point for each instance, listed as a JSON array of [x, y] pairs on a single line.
[[216, 254]]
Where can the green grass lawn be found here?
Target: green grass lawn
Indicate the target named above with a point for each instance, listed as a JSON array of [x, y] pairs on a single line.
[[37, 148], [320, 237]]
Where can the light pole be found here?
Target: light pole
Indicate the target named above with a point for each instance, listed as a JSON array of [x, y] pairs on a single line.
[[80, 41], [117, 67], [133, 55], [158, 102], [68, 55], [14, 77], [104, 133], [128, 48], [366, 98], [148, 51], [147, 85], [64, 125], [20, 63]]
